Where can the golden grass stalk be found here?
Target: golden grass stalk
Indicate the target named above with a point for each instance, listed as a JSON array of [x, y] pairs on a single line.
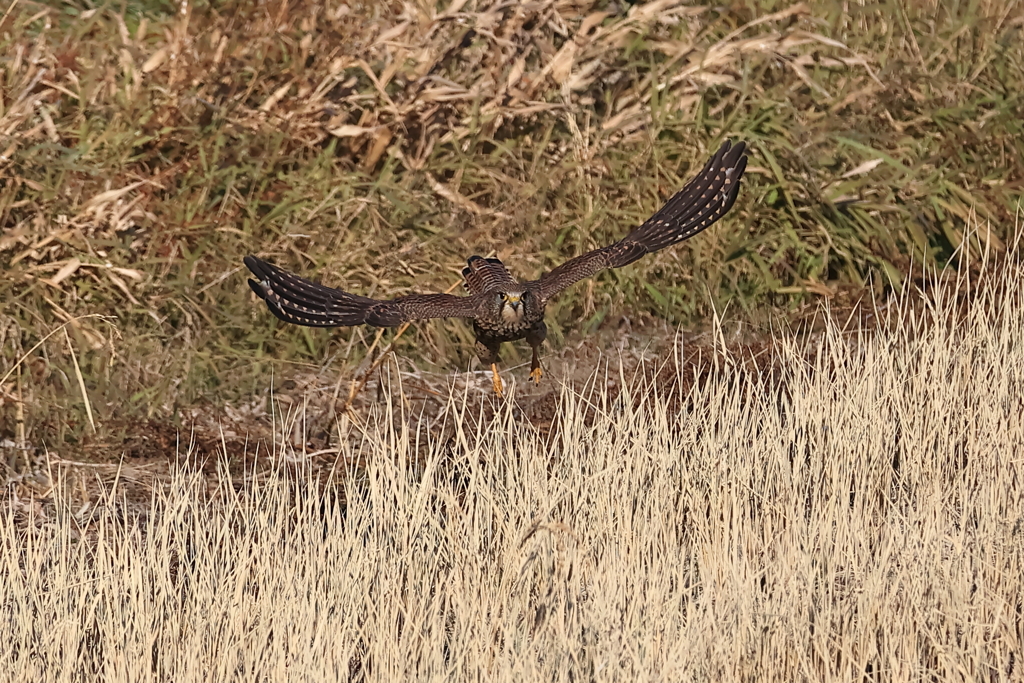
[[81, 380]]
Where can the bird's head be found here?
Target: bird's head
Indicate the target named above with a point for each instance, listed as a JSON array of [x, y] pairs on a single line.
[[512, 306]]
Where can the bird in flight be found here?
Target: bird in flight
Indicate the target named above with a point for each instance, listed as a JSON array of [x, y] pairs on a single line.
[[502, 308]]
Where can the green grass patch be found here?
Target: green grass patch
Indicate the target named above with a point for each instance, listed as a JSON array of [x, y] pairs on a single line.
[[144, 152]]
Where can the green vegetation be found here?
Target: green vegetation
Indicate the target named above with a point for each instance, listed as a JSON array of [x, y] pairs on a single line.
[[376, 145]]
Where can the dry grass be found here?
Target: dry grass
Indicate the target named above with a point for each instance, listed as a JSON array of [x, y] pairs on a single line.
[[145, 149], [855, 514]]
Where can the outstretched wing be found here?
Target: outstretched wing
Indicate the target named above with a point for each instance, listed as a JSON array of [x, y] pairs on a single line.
[[703, 201], [303, 302]]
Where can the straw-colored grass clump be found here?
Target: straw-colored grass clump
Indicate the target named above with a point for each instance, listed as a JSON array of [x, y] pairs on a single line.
[[853, 514]]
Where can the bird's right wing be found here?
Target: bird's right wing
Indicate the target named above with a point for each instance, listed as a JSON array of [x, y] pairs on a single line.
[[700, 203], [302, 302]]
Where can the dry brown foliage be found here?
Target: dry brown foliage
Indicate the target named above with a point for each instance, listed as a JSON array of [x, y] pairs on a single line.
[[377, 144]]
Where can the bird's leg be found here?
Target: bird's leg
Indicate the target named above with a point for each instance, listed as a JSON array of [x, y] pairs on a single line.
[[535, 370], [535, 337], [496, 378], [487, 351]]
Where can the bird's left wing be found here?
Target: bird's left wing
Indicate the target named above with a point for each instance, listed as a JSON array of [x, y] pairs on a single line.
[[304, 302]]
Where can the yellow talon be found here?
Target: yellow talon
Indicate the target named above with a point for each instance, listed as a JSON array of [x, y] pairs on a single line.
[[496, 378], [536, 374]]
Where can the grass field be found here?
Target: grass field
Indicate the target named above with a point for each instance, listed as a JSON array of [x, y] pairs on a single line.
[[146, 146], [775, 452], [855, 512]]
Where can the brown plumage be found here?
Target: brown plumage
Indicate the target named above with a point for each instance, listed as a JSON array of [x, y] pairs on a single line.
[[502, 308]]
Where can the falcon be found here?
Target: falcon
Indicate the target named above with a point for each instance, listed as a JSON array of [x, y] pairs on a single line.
[[502, 308]]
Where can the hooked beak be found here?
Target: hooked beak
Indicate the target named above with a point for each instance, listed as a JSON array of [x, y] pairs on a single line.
[[513, 301]]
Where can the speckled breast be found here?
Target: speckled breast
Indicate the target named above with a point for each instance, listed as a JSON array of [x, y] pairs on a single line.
[[499, 328]]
